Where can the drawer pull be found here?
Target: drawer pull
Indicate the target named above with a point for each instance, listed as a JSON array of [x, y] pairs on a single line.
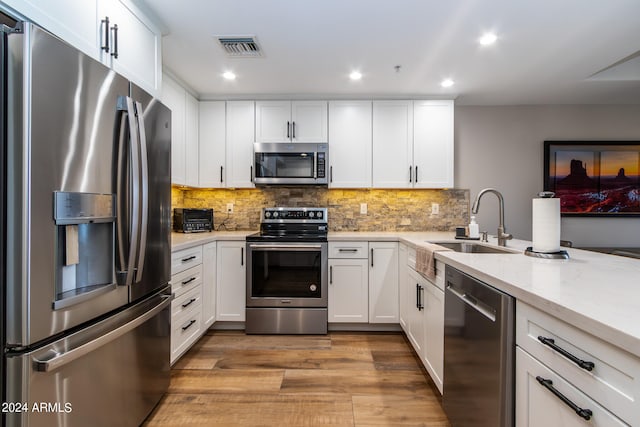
[[188, 325], [188, 258], [548, 384], [347, 250], [188, 281], [187, 304], [581, 363]]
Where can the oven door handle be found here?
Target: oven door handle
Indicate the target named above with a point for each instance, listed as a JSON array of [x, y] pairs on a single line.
[[288, 247]]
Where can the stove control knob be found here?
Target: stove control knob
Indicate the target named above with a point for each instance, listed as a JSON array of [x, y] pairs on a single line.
[[276, 214], [319, 214], [267, 214], [311, 214]]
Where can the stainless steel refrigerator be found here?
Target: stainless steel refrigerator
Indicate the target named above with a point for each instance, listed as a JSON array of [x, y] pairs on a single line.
[[86, 200]]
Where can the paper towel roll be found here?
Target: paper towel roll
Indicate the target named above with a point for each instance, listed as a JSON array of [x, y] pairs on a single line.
[[546, 225]]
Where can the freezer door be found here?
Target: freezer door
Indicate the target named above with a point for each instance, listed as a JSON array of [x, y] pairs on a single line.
[[110, 374], [154, 266], [60, 188]]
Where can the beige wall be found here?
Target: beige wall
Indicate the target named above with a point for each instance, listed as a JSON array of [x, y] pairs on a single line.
[[388, 210], [502, 147]]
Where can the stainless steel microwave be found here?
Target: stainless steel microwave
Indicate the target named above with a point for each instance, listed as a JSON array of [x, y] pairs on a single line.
[[283, 163]]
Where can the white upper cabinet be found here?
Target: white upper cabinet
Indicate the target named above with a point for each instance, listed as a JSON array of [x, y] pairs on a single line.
[[184, 133], [433, 144], [413, 144], [240, 131], [296, 121], [350, 144], [76, 23], [192, 152], [129, 43], [173, 96], [134, 43], [212, 141], [392, 144]]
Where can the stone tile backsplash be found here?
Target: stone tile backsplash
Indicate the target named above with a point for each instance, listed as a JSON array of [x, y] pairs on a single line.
[[388, 210]]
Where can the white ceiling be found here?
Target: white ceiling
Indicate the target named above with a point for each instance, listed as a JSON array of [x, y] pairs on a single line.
[[548, 51]]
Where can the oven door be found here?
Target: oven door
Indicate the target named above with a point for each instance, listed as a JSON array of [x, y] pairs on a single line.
[[287, 274]]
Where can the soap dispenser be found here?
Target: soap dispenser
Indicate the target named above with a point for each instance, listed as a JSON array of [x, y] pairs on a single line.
[[474, 229]]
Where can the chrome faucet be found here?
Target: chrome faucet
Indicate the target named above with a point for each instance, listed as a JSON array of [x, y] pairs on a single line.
[[502, 236]]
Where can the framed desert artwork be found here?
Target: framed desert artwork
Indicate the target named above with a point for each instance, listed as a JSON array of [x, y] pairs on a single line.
[[594, 178]]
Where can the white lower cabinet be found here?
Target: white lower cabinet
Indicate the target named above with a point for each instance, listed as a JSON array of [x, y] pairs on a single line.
[[383, 282], [537, 405], [231, 281], [555, 358], [415, 286], [348, 283], [422, 314], [209, 284], [193, 284], [433, 356]]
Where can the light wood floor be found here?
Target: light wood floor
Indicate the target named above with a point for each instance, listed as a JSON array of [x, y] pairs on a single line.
[[341, 379]]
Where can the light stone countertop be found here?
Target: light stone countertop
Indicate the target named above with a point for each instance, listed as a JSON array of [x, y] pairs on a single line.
[[596, 292], [181, 241]]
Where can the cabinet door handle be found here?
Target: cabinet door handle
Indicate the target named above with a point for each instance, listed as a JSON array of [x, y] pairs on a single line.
[[417, 296], [114, 31], [241, 256], [188, 281], [548, 384], [293, 125], [416, 174], [188, 325], [371, 257], [105, 45], [581, 363], [420, 298], [331, 274], [221, 169], [288, 130], [187, 304], [251, 173], [410, 175], [330, 173]]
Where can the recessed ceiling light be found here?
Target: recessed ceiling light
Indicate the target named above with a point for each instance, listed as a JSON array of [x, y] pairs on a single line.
[[487, 39], [229, 75], [446, 83], [355, 75]]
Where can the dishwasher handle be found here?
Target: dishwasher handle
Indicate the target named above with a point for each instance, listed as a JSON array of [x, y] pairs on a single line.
[[473, 302]]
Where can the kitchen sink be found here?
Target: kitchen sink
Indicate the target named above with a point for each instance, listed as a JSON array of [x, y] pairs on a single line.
[[474, 248]]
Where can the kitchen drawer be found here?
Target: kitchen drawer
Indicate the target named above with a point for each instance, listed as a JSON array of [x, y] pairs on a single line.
[[186, 302], [537, 406], [184, 332], [186, 280], [614, 381], [186, 258], [348, 249], [411, 262]]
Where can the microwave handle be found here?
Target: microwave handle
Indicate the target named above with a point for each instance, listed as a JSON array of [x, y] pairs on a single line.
[[315, 162]]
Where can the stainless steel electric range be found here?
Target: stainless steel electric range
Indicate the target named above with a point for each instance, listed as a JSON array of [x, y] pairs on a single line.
[[287, 272]]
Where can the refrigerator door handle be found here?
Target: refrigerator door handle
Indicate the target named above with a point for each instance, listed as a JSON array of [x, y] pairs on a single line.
[[144, 187], [67, 357], [126, 104]]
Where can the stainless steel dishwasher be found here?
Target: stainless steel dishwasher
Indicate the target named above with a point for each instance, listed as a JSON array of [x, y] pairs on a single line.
[[478, 353]]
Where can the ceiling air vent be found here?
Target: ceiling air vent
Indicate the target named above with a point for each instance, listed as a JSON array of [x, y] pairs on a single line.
[[246, 46]]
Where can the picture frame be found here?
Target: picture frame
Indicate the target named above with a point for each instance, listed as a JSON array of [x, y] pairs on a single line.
[[594, 178]]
